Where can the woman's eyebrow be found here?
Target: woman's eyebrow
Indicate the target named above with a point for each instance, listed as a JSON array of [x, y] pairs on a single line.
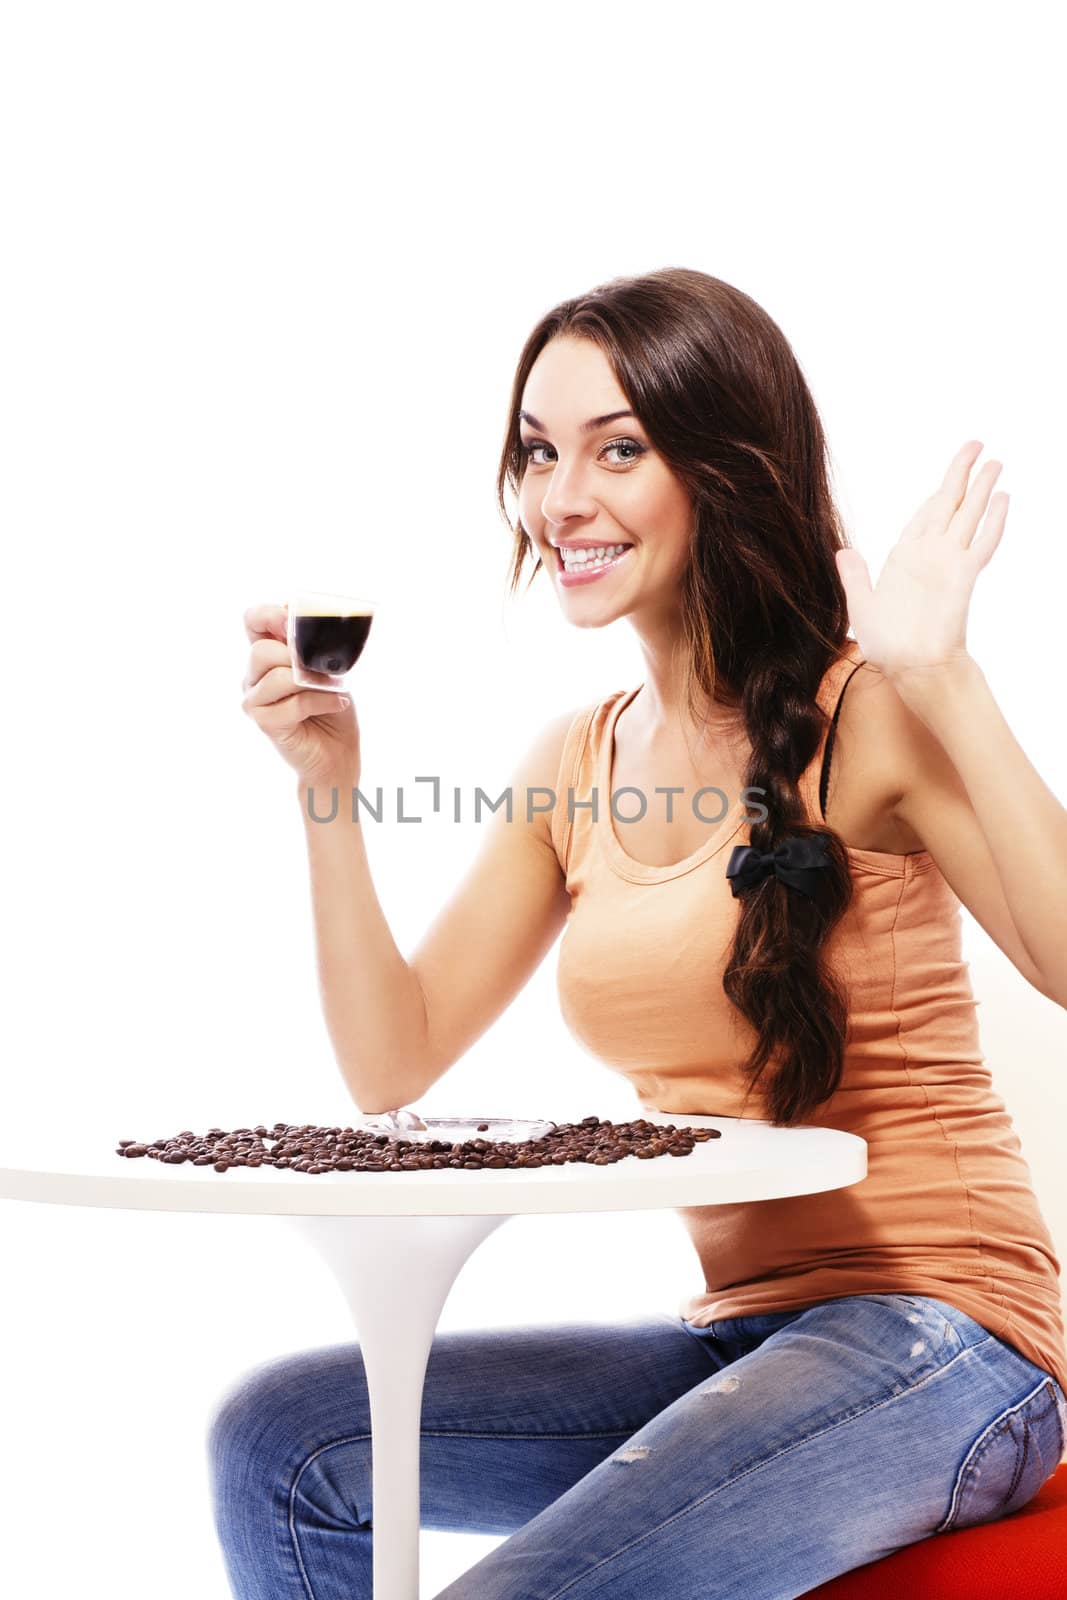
[[586, 427]]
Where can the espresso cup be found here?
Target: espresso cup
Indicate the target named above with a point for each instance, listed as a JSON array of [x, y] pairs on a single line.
[[326, 634]]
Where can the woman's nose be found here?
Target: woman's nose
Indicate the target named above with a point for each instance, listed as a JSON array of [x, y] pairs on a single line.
[[566, 497]]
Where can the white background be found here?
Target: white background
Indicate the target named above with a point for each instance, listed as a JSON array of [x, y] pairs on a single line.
[[265, 272]]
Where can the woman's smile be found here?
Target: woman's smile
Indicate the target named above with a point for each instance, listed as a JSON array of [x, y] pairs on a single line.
[[574, 571]]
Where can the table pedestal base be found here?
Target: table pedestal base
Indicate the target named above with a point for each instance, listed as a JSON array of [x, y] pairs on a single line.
[[395, 1273]]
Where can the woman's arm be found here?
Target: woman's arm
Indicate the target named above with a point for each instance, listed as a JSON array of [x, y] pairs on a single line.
[[983, 810], [502, 920], [397, 1025], [994, 827]]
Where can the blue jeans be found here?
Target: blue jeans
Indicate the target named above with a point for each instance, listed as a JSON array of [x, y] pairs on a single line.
[[749, 1460]]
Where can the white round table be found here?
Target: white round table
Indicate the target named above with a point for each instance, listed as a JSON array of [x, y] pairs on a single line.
[[397, 1240]]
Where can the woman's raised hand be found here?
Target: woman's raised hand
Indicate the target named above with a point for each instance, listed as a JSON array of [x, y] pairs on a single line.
[[913, 622]]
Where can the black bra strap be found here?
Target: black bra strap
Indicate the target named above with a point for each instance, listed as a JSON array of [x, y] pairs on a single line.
[[825, 778]]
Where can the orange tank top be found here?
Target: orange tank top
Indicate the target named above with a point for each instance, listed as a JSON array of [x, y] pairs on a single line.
[[947, 1208]]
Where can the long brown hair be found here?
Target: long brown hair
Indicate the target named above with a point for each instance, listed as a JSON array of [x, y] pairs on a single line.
[[723, 399]]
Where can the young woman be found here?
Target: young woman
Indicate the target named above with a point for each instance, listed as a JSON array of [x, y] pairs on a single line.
[[864, 1368]]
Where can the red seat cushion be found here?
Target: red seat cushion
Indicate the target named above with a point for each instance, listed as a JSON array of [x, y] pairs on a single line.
[[1021, 1557]]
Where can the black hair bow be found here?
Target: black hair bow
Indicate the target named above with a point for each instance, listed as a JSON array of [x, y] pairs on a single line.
[[794, 861]]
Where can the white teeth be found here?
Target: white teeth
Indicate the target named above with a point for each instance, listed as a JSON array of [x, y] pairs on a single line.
[[593, 556]]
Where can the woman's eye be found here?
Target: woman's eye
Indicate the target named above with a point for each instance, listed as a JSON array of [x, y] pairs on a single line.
[[613, 444], [528, 451]]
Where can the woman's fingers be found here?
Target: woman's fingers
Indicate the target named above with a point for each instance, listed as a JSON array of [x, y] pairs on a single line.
[[276, 716], [266, 621], [276, 683], [264, 654]]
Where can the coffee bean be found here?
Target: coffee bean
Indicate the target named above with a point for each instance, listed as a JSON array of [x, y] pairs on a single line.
[[305, 1147]]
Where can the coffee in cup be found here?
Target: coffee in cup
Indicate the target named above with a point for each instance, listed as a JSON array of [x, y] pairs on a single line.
[[326, 636]]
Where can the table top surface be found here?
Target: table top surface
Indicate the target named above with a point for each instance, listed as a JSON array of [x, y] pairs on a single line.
[[751, 1161]]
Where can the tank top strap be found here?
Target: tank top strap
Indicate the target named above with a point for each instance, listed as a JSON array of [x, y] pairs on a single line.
[[568, 777], [814, 780]]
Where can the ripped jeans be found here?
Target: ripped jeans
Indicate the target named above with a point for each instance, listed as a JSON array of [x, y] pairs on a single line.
[[749, 1460]]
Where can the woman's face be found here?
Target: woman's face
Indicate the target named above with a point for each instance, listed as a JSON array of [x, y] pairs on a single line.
[[598, 487]]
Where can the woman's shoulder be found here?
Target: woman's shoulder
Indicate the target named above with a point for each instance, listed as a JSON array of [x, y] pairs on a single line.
[[564, 728], [571, 728], [550, 758]]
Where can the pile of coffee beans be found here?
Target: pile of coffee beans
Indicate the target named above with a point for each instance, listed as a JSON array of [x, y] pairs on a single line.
[[303, 1147]]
